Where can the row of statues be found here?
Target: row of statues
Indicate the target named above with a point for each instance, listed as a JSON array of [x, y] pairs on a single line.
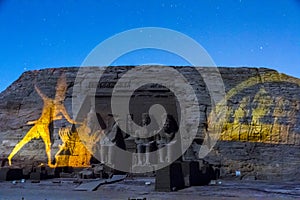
[[161, 139], [146, 140]]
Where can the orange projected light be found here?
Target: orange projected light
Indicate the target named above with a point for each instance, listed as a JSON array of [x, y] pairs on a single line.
[[53, 109], [72, 152]]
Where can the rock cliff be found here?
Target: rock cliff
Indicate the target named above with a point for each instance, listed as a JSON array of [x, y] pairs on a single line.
[[260, 137]]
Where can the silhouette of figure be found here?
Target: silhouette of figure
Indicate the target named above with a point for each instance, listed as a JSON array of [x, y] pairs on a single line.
[[53, 109]]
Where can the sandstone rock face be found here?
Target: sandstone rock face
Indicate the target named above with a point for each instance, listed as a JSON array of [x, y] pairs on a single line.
[[20, 103], [260, 136]]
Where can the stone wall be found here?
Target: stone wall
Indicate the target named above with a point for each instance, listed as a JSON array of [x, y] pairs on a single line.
[[260, 136]]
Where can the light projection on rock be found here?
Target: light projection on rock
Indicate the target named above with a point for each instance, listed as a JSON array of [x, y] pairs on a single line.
[[72, 152], [263, 108], [53, 109], [78, 141], [259, 113]]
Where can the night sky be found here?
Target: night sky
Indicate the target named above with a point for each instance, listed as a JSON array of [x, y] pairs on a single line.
[[41, 34]]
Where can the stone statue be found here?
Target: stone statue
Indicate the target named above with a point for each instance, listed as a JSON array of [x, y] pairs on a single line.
[[72, 152], [145, 144], [53, 109], [168, 138], [92, 130], [111, 138]]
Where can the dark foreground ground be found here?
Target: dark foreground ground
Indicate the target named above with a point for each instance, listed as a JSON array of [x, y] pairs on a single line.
[[136, 187]]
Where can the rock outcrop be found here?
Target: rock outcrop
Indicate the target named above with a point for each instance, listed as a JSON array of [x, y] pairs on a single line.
[[260, 136]]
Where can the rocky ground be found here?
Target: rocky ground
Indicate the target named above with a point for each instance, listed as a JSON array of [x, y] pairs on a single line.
[[136, 187]]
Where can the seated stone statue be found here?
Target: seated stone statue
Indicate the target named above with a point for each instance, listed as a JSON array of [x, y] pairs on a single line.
[[112, 137], [144, 143], [167, 137]]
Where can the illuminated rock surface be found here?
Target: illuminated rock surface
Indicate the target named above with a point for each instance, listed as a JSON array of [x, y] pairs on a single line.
[[260, 137]]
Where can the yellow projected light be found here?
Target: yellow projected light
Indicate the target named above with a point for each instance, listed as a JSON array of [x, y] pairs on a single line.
[[72, 153], [53, 109], [247, 123]]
